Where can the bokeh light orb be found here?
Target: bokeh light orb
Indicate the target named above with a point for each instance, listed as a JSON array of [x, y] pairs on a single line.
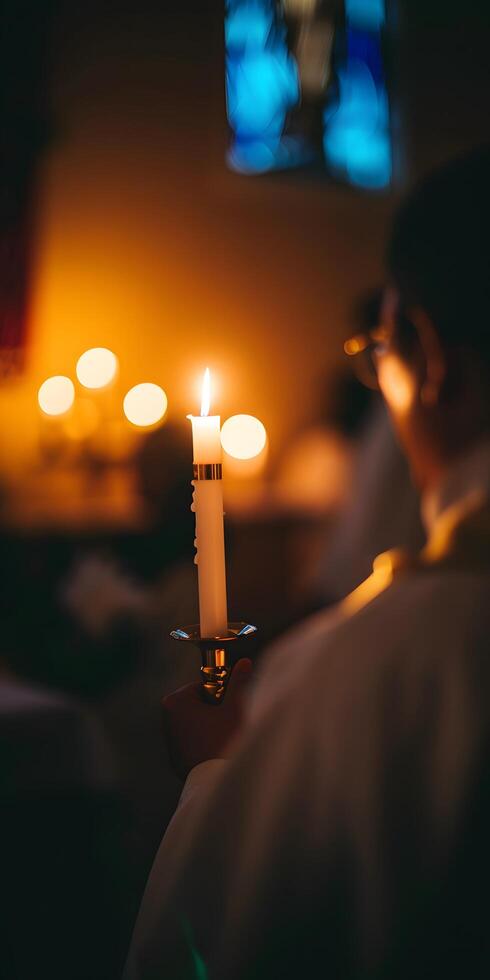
[[56, 395], [145, 404], [243, 436], [96, 368]]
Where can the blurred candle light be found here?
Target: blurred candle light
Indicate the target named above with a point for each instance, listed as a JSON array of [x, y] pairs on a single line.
[[145, 404], [56, 395], [97, 367], [243, 436]]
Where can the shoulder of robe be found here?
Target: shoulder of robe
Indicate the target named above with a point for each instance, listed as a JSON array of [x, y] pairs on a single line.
[[460, 542]]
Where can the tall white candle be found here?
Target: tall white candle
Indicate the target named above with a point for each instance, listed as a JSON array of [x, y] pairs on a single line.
[[208, 507]]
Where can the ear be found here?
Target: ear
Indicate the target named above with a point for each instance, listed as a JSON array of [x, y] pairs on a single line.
[[435, 364]]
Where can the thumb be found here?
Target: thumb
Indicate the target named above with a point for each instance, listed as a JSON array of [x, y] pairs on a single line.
[[240, 674]]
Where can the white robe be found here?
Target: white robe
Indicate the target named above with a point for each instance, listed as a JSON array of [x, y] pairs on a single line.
[[339, 817]]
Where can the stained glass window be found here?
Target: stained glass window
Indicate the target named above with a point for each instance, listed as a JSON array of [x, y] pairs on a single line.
[[305, 87]]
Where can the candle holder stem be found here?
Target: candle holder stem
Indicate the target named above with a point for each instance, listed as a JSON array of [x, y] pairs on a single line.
[[215, 672], [216, 656]]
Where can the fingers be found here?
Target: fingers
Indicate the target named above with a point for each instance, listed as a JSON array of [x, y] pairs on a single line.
[[240, 676], [190, 693]]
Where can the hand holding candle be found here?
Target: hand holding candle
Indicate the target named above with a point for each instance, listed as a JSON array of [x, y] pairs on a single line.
[[208, 507]]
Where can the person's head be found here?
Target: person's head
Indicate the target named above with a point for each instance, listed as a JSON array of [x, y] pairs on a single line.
[[434, 364]]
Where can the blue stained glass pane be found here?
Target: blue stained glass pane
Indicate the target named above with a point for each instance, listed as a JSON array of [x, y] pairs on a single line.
[[356, 139], [262, 85], [248, 26], [364, 159], [366, 47], [369, 14]]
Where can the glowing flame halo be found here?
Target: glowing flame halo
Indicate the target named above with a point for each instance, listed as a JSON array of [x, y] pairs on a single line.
[[206, 393]]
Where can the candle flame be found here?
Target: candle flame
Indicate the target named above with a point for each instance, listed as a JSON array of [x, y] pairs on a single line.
[[206, 393]]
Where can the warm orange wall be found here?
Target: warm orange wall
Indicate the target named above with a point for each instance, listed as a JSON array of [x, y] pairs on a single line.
[[148, 246]]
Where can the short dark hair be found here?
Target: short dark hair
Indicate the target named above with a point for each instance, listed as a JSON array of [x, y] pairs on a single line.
[[438, 253]]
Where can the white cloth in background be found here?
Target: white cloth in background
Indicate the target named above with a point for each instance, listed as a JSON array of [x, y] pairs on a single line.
[[333, 824]]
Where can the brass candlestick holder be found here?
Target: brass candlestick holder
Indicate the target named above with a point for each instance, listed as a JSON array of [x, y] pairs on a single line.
[[215, 651]]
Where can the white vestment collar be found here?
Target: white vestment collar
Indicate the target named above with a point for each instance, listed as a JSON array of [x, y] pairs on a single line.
[[467, 476]]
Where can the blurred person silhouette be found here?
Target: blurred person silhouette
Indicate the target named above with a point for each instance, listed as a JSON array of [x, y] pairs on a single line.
[[381, 507], [335, 821]]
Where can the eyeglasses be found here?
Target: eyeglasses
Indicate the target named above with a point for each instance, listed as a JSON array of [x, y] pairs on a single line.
[[370, 346]]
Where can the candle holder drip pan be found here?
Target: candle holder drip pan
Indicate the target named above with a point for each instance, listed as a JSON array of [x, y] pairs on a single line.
[[218, 654]]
